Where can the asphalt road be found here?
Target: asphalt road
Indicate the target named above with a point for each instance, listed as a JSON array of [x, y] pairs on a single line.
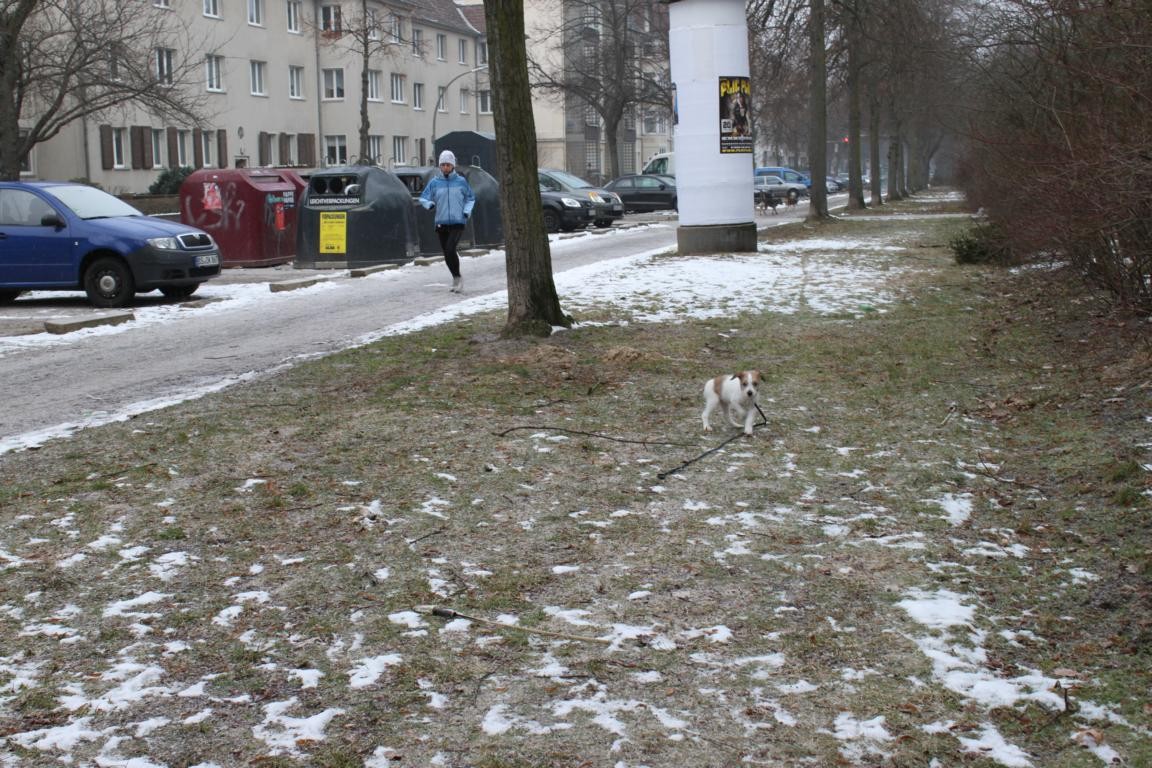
[[50, 390]]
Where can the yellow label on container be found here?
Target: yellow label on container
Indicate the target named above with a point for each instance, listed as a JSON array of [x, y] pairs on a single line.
[[333, 232]]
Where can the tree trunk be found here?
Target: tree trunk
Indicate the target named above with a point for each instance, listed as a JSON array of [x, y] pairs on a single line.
[[365, 58], [874, 143], [855, 186], [895, 162], [817, 114], [533, 305], [612, 144]]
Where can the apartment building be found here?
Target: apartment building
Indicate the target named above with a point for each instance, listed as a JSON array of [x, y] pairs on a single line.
[[280, 83], [281, 86], [575, 40]]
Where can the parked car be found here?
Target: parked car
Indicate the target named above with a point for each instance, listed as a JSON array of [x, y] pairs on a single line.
[[642, 192], [832, 184], [787, 174], [564, 212], [67, 236], [774, 186], [608, 206]]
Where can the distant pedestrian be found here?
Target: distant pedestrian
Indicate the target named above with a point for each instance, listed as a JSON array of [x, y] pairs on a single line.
[[452, 198]]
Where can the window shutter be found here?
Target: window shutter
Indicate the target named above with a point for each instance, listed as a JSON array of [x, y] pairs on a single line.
[[146, 145], [136, 138], [222, 148], [286, 148], [197, 148], [173, 148], [307, 146], [106, 159], [263, 145]]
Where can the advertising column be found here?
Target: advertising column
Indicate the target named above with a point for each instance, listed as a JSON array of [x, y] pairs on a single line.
[[708, 44]]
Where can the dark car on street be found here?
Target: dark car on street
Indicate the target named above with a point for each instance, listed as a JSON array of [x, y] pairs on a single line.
[[67, 236], [649, 192], [608, 205], [564, 212]]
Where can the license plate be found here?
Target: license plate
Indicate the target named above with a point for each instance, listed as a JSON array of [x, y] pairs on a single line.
[[207, 260]]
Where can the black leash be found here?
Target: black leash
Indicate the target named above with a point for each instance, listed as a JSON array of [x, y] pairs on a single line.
[[711, 451]]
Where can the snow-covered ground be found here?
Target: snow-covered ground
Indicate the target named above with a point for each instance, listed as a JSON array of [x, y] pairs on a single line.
[[787, 278]]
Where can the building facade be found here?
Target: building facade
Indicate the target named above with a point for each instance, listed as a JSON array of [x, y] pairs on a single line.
[[281, 83]]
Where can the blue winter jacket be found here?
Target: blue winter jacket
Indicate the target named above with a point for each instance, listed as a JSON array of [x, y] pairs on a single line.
[[451, 196]]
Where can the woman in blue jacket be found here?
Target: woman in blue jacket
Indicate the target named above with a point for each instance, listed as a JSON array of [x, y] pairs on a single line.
[[452, 198]]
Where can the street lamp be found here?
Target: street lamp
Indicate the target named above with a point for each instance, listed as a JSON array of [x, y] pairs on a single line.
[[440, 98]]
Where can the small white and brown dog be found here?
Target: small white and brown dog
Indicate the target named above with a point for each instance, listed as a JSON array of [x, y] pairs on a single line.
[[736, 394]]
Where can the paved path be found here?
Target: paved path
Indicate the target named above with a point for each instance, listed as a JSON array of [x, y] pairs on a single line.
[[50, 389]]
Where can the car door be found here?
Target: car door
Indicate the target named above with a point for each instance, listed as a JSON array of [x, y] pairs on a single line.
[[625, 188], [649, 194], [32, 253]]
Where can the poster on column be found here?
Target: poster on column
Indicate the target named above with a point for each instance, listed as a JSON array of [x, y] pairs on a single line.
[[735, 104]]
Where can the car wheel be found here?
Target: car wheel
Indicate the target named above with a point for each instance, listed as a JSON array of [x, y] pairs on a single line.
[[179, 291], [675, 204], [551, 220], [108, 283], [7, 297], [603, 223]]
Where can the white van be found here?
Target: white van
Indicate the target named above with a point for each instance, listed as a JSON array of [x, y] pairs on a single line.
[[663, 163]]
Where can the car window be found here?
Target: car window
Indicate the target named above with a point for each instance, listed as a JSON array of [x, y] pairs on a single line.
[[793, 177], [624, 184], [648, 183], [565, 179], [91, 203], [546, 182], [20, 208]]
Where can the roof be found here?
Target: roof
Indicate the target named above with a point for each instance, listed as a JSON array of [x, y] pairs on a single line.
[[475, 16], [445, 14]]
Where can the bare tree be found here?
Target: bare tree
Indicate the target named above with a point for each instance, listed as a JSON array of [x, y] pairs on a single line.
[[611, 57], [817, 112], [362, 35], [62, 60], [780, 78], [533, 305]]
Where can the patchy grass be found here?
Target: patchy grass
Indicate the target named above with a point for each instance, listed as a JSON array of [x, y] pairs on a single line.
[[235, 580]]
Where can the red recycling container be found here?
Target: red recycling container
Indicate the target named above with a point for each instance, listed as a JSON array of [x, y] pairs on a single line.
[[251, 212]]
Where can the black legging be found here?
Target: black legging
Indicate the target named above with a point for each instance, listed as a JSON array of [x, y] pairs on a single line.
[[449, 236]]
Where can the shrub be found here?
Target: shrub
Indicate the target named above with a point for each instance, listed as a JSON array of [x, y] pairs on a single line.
[[981, 245], [169, 181]]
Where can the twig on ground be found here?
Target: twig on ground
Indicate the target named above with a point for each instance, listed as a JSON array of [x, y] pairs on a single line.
[[429, 535], [594, 434]]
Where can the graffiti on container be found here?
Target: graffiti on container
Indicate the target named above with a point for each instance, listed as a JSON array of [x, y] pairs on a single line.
[[223, 207]]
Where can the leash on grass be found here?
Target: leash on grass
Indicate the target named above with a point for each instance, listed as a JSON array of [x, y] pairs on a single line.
[[593, 434], [448, 613], [711, 451]]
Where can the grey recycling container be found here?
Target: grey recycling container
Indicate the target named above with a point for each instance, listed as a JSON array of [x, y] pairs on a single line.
[[485, 227], [355, 216], [473, 148]]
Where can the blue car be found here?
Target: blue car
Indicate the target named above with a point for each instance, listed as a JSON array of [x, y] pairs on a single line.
[[67, 237]]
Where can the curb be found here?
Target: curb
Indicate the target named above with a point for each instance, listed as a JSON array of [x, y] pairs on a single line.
[[365, 271], [292, 285], [67, 326]]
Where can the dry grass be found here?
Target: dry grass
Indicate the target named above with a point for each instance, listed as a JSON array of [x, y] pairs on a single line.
[[450, 469]]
